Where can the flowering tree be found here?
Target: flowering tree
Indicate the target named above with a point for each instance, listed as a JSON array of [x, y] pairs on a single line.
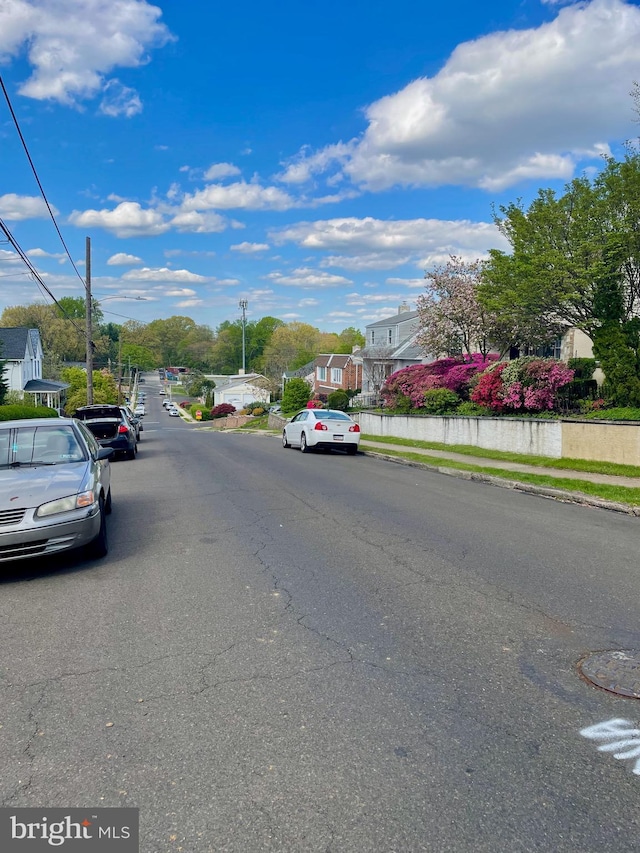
[[527, 384], [452, 319], [453, 374]]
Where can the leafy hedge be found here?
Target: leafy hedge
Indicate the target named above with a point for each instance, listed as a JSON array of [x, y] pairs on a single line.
[[16, 412]]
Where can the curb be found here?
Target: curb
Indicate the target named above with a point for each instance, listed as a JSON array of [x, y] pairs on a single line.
[[503, 483]]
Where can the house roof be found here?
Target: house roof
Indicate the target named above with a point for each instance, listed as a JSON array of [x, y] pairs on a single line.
[[243, 379], [301, 372], [333, 360], [45, 385], [394, 320], [410, 349], [14, 342]]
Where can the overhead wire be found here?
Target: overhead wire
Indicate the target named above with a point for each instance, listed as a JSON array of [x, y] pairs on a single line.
[[35, 174]]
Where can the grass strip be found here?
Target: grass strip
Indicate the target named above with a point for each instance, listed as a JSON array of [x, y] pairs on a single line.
[[618, 494], [587, 466]]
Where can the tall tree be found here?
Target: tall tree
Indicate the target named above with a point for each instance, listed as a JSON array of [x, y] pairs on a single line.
[[452, 318]]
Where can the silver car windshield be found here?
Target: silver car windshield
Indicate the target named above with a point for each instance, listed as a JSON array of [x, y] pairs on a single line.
[[39, 445]]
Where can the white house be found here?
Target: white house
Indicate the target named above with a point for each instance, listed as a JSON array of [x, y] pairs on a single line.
[[21, 348], [241, 389]]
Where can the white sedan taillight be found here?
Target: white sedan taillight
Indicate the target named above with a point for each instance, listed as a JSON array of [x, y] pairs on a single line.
[[354, 428], [320, 425]]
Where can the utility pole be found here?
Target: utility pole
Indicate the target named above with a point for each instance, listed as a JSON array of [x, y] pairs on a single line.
[[243, 304], [89, 324]]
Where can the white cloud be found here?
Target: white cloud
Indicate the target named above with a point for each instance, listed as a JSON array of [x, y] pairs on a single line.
[[307, 278], [239, 195], [369, 261], [189, 303], [516, 105], [221, 170], [71, 45], [121, 259], [119, 100], [406, 282], [248, 248], [163, 274], [128, 219], [198, 223], [231, 282], [16, 207], [41, 253], [183, 291], [310, 302], [302, 167], [373, 239]]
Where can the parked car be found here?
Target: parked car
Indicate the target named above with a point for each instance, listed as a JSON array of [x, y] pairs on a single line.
[[325, 428], [173, 411], [167, 404], [135, 421], [111, 427], [139, 410], [55, 488], [162, 392]]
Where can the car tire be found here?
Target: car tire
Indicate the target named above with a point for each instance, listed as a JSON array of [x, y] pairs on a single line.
[[304, 447], [100, 545], [107, 503], [285, 443], [131, 453], [352, 449]]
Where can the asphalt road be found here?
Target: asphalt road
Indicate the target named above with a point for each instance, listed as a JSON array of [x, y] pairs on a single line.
[[288, 652]]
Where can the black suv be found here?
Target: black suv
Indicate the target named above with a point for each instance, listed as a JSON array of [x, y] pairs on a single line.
[[111, 427]]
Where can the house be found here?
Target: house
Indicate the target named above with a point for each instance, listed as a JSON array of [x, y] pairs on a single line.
[[21, 348], [240, 389], [390, 345], [335, 372], [305, 372]]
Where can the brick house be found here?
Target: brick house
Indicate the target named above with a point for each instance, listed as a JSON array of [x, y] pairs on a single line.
[[336, 372]]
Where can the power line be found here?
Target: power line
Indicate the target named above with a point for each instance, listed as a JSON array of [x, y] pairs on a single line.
[[35, 174], [37, 277]]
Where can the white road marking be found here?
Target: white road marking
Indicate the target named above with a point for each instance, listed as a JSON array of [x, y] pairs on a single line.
[[620, 736]]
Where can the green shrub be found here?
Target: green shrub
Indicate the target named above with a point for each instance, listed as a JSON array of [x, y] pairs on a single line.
[[15, 412], [15, 398], [403, 404], [472, 410], [440, 401], [338, 400], [582, 367], [199, 407], [258, 411], [621, 413], [296, 395]]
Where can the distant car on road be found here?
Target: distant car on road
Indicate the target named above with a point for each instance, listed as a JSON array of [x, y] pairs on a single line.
[[135, 421], [173, 412], [55, 488], [139, 410], [324, 428]]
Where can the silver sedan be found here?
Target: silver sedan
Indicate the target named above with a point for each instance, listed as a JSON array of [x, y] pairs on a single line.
[[324, 428], [55, 488]]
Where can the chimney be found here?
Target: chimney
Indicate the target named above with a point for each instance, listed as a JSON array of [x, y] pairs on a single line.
[[404, 308]]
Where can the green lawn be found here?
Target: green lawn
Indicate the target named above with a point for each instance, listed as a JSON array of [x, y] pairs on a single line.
[[585, 465]]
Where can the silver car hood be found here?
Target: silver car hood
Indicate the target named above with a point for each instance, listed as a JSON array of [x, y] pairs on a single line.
[[29, 487]]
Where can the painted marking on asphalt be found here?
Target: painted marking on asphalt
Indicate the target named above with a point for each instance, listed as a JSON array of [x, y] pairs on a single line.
[[620, 737]]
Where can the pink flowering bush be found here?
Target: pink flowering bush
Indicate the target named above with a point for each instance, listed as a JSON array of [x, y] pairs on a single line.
[[406, 388], [315, 404], [525, 384]]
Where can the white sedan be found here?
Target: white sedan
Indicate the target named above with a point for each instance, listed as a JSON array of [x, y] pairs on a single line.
[[326, 428]]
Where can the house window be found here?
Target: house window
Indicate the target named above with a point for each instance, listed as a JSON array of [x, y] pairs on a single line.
[[336, 375], [390, 336], [322, 374], [373, 337]]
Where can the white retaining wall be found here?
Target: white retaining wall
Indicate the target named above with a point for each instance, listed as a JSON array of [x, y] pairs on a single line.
[[518, 435]]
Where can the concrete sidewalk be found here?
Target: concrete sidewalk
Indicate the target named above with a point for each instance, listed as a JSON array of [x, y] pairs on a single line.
[[437, 459]]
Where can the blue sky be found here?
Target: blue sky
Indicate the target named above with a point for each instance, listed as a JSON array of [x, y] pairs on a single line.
[[313, 159]]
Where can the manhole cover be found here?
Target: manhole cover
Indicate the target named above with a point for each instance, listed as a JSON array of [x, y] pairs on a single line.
[[616, 671]]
